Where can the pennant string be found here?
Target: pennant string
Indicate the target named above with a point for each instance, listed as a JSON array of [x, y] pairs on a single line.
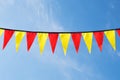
[[53, 38], [99, 39], [7, 36], [18, 36], [64, 37], [76, 37], [88, 40], [60, 32], [42, 38], [65, 41], [118, 31], [1, 31], [111, 38], [30, 39]]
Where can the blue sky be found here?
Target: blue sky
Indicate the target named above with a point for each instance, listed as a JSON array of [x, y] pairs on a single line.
[[62, 15]]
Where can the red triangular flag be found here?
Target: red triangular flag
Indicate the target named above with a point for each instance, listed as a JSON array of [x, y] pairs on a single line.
[[76, 37], [118, 31], [99, 39], [53, 38], [30, 38], [7, 36]]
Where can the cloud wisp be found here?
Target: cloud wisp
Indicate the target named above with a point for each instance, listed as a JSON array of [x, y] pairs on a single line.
[[44, 10]]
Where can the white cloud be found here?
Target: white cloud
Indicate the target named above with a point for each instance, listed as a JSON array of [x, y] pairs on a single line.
[[67, 66], [35, 15], [45, 9]]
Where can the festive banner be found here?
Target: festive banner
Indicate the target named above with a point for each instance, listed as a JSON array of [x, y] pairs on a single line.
[[88, 40], [111, 38], [76, 37], [118, 31], [1, 31], [30, 39], [99, 39], [42, 38], [53, 38], [7, 36], [64, 37], [18, 38]]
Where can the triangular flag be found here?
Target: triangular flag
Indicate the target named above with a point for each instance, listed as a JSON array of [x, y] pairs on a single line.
[[1, 31], [118, 31], [18, 38], [53, 38], [88, 40], [7, 36], [30, 39], [42, 38], [65, 37], [99, 39], [111, 38], [76, 37]]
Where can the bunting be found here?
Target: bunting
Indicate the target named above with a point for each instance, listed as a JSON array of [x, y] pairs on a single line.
[[118, 31], [88, 40], [76, 37], [18, 38], [7, 36], [42, 37], [53, 38], [30, 39], [111, 38], [99, 39], [1, 31], [64, 38]]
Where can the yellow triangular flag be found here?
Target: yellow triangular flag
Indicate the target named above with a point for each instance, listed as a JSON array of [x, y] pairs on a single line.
[[1, 31], [18, 38], [42, 38], [65, 38], [88, 40], [111, 38]]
